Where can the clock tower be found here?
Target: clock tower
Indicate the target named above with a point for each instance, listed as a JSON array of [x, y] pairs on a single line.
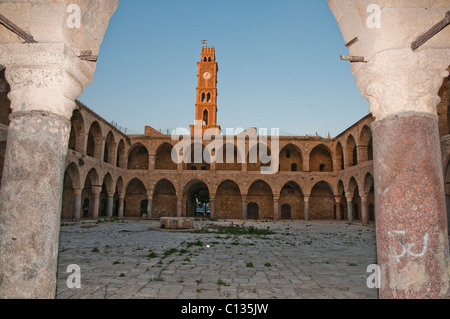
[[206, 104]]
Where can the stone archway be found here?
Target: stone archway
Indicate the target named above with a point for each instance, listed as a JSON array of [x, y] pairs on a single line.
[[196, 198], [228, 203], [164, 203]]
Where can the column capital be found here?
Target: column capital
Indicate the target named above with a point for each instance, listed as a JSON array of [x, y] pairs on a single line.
[[96, 190], [400, 80], [77, 191], [349, 196], [276, 197], [244, 198], [45, 77], [338, 198], [306, 197], [364, 196]]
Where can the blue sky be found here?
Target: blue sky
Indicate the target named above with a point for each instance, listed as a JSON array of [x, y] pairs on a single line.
[[279, 66]]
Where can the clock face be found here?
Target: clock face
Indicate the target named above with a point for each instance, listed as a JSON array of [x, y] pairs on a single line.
[[207, 75]]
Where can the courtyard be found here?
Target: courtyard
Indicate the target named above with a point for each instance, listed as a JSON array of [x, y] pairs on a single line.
[[131, 259]]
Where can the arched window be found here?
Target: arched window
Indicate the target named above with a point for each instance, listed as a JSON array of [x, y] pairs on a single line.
[[209, 59], [322, 168], [204, 59], [203, 97], [208, 97], [205, 117]]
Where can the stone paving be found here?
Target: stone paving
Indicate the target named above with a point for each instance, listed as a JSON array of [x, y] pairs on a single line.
[[135, 259]]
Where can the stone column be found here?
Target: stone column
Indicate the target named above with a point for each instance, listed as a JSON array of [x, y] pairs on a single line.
[[412, 235], [212, 205], [306, 198], [149, 207], [44, 83], [364, 208], [151, 162], [338, 208], [110, 206], [349, 198], [77, 205], [96, 190], [276, 206], [402, 87], [120, 213], [244, 207], [179, 211]]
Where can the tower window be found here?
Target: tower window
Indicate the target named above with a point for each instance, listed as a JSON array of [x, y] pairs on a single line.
[[208, 99], [205, 117], [204, 59], [209, 59], [203, 97]]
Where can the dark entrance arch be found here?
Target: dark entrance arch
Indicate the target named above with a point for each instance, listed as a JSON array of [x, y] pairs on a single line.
[[286, 211], [252, 211]]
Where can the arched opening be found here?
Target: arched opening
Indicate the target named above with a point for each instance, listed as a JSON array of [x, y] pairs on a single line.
[[205, 116], [292, 195], [286, 212], [261, 193], [190, 161], [340, 157], [230, 162], [205, 59], [107, 188], [118, 191], [196, 199], [369, 188], [94, 143], [320, 159], [252, 211], [121, 156], [290, 159], [77, 134], [343, 202], [108, 154], [351, 151], [163, 159], [321, 203], [135, 194], [365, 141], [209, 59], [228, 201], [357, 208], [208, 97], [203, 95], [164, 200], [71, 179], [138, 157], [87, 194]]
